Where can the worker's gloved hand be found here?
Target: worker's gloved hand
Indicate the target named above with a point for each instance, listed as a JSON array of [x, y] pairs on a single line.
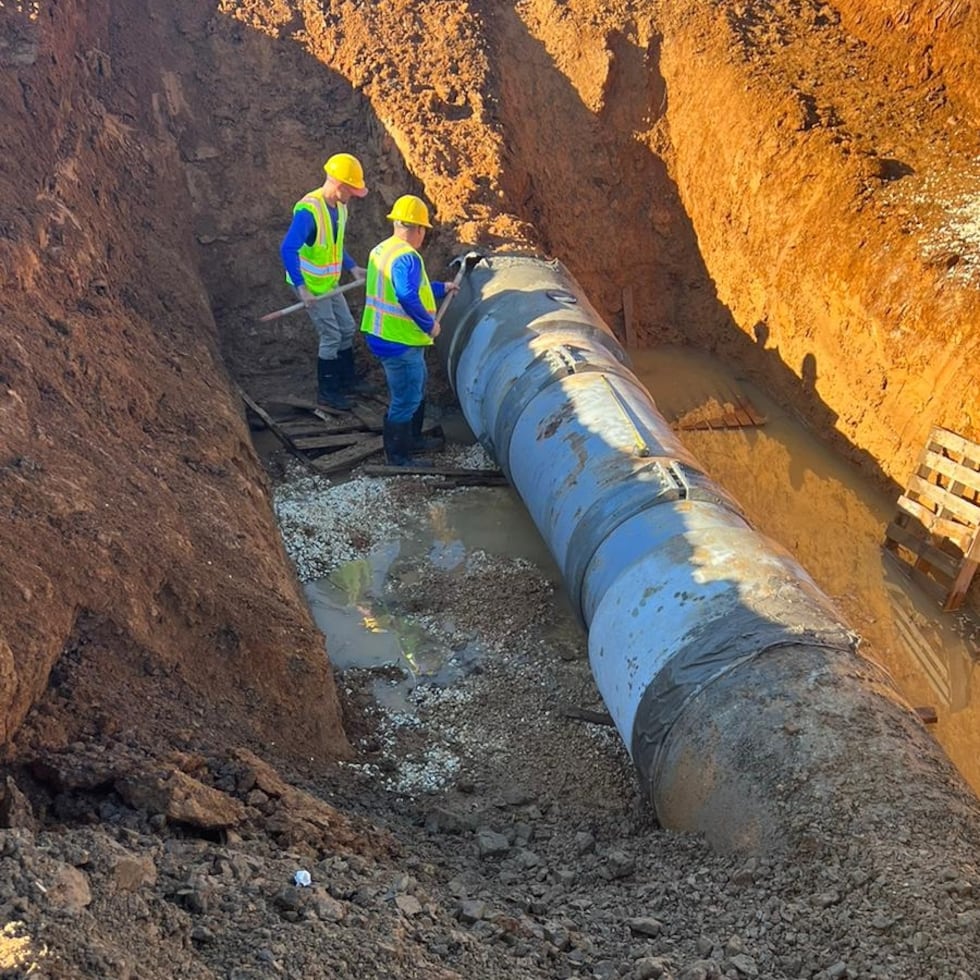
[[451, 287], [359, 272], [436, 328], [305, 295]]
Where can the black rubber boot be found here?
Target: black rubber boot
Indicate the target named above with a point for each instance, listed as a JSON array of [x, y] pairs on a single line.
[[328, 390], [420, 443], [350, 383], [397, 438]]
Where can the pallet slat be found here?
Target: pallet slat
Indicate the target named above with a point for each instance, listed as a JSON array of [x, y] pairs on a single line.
[[957, 473], [329, 440], [959, 534], [923, 551], [958, 592], [946, 439], [344, 459], [945, 500], [942, 502]]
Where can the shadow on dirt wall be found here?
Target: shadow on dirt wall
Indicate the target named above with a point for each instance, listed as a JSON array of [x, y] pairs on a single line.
[[605, 205], [253, 140], [254, 118]]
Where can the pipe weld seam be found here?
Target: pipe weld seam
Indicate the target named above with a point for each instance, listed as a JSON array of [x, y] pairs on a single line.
[[535, 381], [632, 497]]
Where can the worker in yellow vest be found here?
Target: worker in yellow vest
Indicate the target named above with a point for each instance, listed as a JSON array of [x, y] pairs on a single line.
[[399, 321], [314, 257]]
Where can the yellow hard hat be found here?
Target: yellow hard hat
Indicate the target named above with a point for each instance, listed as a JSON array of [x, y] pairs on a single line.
[[410, 210], [348, 170]]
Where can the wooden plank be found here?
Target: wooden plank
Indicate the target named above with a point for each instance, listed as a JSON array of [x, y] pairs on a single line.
[[750, 410], [311, 428], [965, 576], [924, 555], [317, 427], [586, 715], [956, 472], [330, 440], [957, 443], [629, 325], [959, 534], [272, 424], [344, 459], [321, 411], [295, 401], [944, 500], [744, 420], [368, 417], [923, 550]]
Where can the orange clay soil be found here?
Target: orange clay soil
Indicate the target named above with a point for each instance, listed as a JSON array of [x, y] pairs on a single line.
[[792, 185]]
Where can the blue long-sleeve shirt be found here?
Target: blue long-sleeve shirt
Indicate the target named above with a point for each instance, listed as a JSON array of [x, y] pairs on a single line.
[[406, 279], [302, 232]]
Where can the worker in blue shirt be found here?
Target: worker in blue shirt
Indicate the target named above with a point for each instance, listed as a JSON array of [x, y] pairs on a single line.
[[314, 258], [399, 321]]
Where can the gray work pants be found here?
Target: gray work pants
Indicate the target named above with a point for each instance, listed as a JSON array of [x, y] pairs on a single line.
[[334, 326]]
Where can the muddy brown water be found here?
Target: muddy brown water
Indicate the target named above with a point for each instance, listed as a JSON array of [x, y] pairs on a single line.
[[792, 488]]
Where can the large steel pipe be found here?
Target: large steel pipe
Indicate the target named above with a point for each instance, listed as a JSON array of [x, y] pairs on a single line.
[[732, 680]]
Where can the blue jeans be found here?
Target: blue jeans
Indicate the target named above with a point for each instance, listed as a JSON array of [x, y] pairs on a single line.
[[406, 376]]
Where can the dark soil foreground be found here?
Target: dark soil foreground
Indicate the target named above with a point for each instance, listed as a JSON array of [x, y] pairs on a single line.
[[793, 185]]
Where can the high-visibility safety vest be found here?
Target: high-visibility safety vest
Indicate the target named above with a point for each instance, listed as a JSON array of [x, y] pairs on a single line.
[[321, 263], [383, 314]]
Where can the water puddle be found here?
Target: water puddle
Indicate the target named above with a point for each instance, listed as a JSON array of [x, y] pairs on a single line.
[[832, 519], [356, 605]]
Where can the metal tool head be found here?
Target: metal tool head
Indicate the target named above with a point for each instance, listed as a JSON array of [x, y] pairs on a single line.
[[463, 263]]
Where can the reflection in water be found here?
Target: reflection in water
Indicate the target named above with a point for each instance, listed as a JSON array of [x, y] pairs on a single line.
[[833, 520], [940, 644], [353, 607]]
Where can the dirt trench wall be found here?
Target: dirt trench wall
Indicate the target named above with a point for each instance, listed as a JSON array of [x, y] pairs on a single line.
[[133, 504], [826, 211], [774, 186], [936, 41]]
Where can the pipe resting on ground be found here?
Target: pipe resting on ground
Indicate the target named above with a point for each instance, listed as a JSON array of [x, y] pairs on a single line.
[[733, 682]]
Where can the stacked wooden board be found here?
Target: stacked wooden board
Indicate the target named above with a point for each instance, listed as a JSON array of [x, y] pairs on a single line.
[[935, 533]]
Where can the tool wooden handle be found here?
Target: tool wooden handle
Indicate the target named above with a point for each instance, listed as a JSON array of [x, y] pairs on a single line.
[[316, 299], [448, 298], [278, 313]]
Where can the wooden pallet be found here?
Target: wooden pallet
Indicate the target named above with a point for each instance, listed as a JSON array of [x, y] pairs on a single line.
[[331, 442], [936, 533], [726, 411]]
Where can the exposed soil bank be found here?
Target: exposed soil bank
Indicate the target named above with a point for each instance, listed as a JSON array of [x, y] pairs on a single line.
[[792, 185], [837, 205]]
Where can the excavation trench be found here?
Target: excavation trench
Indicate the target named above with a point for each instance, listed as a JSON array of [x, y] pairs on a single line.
[[755, 181], [626, 191]]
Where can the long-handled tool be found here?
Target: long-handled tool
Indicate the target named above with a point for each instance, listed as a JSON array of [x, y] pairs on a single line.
[[465, 263], [316, 299]]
